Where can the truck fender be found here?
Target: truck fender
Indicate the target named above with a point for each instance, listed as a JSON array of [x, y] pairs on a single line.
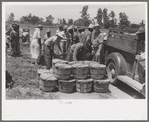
[[119, 61]]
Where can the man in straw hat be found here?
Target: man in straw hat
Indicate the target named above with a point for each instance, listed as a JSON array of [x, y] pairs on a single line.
[[86, 36], [48, 35], [14, 40], [97, 40], [64, 42], [51, 46], [36, 46], [60, 29]]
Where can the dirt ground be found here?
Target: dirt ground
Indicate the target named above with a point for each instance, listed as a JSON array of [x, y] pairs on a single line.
[[24, 75]]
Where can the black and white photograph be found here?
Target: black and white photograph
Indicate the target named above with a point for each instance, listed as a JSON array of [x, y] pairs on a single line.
[[67, 53]]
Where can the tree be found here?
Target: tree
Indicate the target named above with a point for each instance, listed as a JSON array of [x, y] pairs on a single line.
[[50, 19], [10, 18], [99, 16], [24, 19], [70, 21], [85, 15], [112, 16], [31, 19], [79, 22], [124, 22], [105, 16], [142, 23]]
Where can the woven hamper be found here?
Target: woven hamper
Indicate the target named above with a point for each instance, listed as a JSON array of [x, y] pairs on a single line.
[[101, 86], [74, 62], [80, 71], [97, 71], [54, 61], [41, 71], [62, 71], [47, 82], [88, 62], [84, 86], [66, 86]]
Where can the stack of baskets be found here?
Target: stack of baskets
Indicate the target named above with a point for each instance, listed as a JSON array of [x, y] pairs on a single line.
[[83, 75], [97, 72], [63, 73]]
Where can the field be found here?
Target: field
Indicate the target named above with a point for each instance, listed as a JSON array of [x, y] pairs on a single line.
[[24, 75]]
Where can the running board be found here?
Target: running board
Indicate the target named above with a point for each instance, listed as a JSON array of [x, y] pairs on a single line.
[[132, 83]]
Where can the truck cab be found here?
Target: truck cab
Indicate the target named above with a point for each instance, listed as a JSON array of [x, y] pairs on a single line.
[[124, 58]]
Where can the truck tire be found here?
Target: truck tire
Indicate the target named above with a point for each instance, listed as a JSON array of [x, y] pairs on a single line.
[[116, 65]]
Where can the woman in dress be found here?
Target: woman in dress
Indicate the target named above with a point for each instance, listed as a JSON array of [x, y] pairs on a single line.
[[36, 43]]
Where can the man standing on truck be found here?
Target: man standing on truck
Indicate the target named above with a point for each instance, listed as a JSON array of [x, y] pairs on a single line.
[[86, 36], [97, 40]]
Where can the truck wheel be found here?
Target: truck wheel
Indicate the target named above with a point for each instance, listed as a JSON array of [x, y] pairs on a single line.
[[112, 72]]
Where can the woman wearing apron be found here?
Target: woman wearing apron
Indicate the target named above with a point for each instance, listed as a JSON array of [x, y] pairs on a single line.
[[36, 43]]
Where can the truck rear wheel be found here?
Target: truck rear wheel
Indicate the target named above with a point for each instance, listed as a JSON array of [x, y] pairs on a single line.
[[112, 72]]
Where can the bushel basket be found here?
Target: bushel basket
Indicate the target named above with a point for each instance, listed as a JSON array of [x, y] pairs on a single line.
[[66, 86]]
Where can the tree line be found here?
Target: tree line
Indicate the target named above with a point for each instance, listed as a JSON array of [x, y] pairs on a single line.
[[102, 17]]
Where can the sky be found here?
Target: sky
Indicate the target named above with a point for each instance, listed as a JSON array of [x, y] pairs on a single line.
[[135, 11]]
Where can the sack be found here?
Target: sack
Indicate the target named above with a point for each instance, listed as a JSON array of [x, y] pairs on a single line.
[[41, 60]]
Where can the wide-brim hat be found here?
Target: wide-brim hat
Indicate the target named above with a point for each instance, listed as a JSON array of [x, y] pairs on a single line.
[[40, 26], [141, 30], [15, 26], [65, 27], [70, 28], [75, 27], [96, 25], [61, 34], [90, 26]]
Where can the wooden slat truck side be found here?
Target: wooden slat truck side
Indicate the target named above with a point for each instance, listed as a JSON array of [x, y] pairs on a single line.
[[121, 50]]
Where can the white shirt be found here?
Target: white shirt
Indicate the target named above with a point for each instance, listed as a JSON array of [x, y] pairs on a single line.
[[37, 34]]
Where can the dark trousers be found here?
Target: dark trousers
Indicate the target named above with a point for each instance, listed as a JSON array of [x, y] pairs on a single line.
[[48, 56], [69, 55]]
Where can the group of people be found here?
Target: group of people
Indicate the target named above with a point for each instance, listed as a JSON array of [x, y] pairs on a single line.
[[69, 43]]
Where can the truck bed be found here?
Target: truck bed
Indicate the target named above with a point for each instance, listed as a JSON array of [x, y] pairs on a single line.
[[123, 41]]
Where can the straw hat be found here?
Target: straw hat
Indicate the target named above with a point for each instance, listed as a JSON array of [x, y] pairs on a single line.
[[96, 25], [141, 30], [15, 26], [40, 26], [90, 26], [65, 27], [69, 28], [62, 35]]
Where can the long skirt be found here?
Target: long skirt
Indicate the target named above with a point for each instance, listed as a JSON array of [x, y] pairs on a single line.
[[48, 56], [35, 49], [15, 48]]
